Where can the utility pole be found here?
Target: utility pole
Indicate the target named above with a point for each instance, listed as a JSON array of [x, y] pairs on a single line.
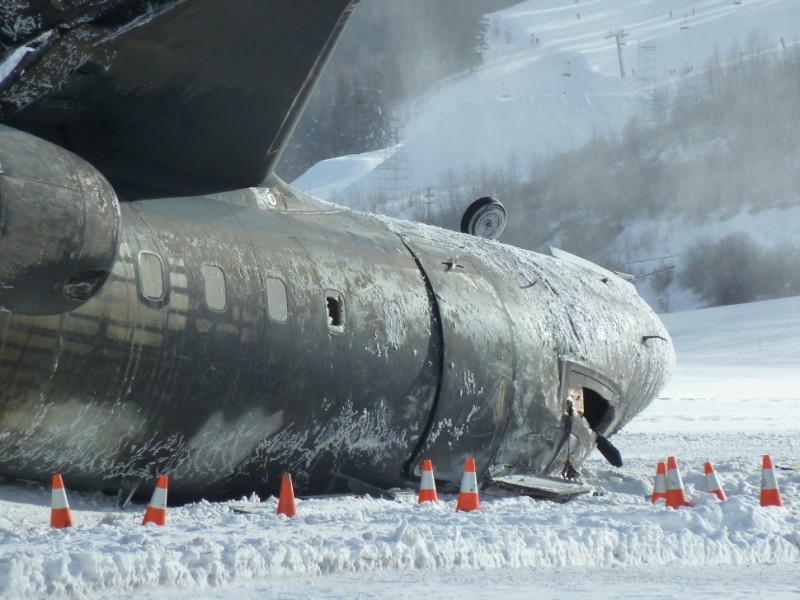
[[430, 196], [619, 34]]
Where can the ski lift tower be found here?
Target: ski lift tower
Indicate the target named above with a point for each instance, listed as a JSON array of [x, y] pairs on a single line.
[[619, 34], [651, 105], [394, 172]]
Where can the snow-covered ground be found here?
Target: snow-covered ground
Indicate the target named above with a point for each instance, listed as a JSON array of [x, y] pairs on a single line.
[[734, 397]]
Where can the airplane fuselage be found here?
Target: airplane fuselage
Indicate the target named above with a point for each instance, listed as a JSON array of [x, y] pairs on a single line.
[[244, 334], [167, 304]]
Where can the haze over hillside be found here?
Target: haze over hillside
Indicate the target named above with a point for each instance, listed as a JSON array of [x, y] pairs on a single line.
[[392, 52], [697, 143]]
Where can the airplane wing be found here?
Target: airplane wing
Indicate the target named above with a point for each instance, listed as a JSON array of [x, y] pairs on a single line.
[[192, 96]]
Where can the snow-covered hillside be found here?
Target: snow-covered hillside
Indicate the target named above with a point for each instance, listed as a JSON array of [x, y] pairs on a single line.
[[733, 398], [551, 79]]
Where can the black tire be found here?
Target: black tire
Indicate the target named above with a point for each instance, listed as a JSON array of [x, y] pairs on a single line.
[[486, 218]]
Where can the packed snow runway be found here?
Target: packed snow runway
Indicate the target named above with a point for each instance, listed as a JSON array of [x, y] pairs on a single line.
[[733, 399]]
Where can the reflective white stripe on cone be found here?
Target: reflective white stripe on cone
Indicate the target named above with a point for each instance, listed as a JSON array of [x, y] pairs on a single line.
[[157, 509], [770, 494], [60, 515], [676, 496], [660, 487], [427, 485], [713, 485], [468, 496]]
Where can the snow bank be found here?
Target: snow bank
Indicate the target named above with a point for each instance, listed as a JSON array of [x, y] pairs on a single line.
[[206, 546]]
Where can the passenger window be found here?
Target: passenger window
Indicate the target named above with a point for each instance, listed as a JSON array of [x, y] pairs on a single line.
[[277, 305], [216, 295], [151, 275]]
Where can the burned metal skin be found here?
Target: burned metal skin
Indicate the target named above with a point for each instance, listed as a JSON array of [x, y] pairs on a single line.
[[229, 335], [347, 345]]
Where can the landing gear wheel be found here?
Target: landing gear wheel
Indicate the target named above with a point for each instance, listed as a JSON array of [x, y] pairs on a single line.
[[486, 218]]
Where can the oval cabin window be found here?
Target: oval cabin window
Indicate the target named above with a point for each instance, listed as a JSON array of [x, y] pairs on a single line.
[[216, 294]]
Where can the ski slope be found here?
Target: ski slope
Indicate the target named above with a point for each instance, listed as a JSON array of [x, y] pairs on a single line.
[[550, 82], [551, 79]]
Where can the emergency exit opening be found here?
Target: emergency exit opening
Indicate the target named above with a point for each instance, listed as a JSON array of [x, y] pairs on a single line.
[[596, 410]]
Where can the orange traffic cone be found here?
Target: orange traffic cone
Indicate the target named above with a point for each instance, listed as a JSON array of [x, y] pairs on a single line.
[[427, 486], [660, 487], [676, 497], [157, 509], [60, 515], [770, 494], [286, 504], [468, 496], [713, 485]]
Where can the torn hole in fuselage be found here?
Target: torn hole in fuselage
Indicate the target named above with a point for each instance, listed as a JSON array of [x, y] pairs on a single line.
[[334, 303], [589, 404]]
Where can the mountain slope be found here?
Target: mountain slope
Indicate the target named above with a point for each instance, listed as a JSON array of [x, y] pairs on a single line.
[[550, 80], [550, 83]]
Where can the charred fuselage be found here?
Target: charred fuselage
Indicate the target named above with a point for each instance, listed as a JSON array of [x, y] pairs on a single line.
[[228, 336]]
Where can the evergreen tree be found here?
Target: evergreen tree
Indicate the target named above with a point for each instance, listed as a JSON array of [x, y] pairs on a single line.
[[390, 51]]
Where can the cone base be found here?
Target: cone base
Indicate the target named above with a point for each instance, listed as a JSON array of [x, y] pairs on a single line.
[[720, 495], [467, 502], [287, 508], [427, 496], [157, 516], [677, 500], [771, 498], [60, 518]]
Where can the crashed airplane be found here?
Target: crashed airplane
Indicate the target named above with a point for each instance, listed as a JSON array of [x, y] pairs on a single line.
[[169, 305]]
